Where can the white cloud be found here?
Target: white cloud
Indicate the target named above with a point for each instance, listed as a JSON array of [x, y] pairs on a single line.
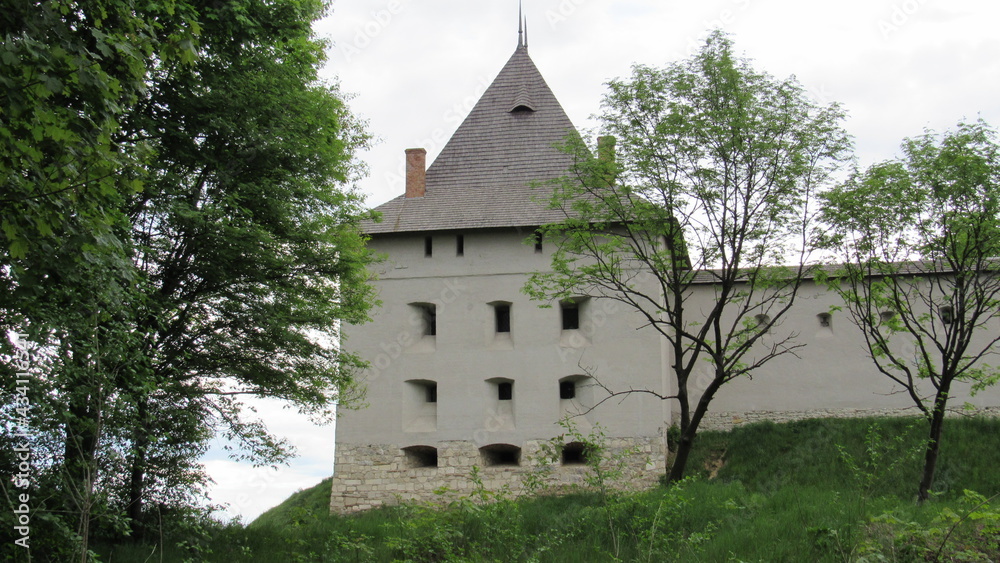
[[249, 491], [897, 65]]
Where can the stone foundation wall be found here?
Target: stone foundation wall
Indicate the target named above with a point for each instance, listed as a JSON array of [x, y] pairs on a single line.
[[730, 420], [368, 476]]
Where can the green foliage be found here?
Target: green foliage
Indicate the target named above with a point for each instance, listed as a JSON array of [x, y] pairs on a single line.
[[883, 454], [783, 493], [970, 531], [918, 237], [179, 231], [69, 72], [715, 170]]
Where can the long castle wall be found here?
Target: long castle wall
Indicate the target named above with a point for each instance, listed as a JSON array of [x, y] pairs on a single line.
[[727, 420]]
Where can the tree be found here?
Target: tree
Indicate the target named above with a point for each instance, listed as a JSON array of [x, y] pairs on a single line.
[[919, 238], [716, 168], [223, 270], [69, 71], [248, 247]]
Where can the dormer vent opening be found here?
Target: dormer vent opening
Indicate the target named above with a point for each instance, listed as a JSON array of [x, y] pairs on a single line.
[[522, 102]]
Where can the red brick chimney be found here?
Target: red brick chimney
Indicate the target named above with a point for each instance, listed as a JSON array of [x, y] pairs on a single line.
[[606, 148], [606, 158], [416, 172]]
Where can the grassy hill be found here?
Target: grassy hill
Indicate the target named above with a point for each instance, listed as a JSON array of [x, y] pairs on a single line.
[[814, 490]]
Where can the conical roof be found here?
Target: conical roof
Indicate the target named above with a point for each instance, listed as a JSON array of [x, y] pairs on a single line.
[[482, 177]]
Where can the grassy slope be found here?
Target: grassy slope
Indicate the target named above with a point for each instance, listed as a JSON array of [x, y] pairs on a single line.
[[777, 492], [301, 503]]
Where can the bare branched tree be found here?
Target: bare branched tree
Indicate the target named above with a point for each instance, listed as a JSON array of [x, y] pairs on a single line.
[[919, 239], [708, 181]]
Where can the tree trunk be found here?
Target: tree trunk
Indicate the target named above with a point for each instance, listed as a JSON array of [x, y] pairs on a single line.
[[78, 468], [688, 432], [137, 476], [684, 446], [83, 432], [933, 444]]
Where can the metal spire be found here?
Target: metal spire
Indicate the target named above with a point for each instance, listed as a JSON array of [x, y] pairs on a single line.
[[520, 30]]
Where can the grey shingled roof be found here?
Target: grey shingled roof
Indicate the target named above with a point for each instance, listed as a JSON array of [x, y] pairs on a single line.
[[481, 178]]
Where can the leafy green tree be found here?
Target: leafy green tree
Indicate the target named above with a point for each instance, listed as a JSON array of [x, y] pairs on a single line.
[[69, 71], [221, 268], [919, 238], [715, 172], [248, 247]]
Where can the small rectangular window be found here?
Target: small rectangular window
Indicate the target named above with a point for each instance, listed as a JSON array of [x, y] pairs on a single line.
[[431, 320], [460, 245], [428, 246], [570, 315], [538, 242], [505, 391], [428, 317], [567, 389], [762, 321], [503, 317], [947, 314], [431, 392]]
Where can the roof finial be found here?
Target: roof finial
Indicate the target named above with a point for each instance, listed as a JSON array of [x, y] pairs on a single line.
[[525, 32], [520, 30]]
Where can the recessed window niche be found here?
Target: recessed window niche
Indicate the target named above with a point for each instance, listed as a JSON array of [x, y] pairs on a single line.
[[423, 319], [825, 322], [499, 404], [498, 335], [420, 456], [495, 455], [420, 405], [572, 318], [576, 395], [574, 453]]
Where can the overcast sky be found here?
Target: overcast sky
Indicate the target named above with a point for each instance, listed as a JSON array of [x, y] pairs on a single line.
[[415, 68]]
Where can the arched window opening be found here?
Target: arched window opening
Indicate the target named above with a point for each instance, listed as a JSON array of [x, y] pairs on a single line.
[[947, 314], [420, 456], [567, 389], [574, 453], [825, 320], [500, 454]]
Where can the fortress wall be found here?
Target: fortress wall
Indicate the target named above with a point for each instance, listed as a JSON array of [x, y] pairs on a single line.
[[369, 476]]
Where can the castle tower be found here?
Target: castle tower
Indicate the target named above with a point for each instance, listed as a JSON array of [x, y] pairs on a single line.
[[465, 369]]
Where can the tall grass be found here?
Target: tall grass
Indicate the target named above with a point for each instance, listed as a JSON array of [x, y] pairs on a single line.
[[815, 490]]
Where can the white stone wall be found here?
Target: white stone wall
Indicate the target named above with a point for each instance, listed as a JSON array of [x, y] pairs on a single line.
[[831, 375], [369, 476]]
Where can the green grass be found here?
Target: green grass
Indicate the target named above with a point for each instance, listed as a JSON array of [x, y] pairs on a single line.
[[778, 492]]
